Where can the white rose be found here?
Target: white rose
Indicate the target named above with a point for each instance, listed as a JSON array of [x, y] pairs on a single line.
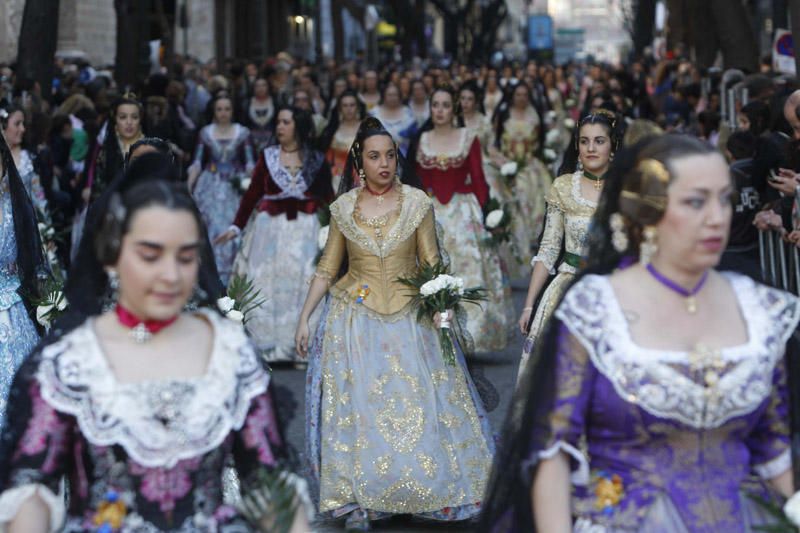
[[569, 123], [792, 509], [551, 138], [509, 169], [322, 236], [428, 288], [235, 315], [245, 184], [41, 313], [226, 304], [493, 219], [549, 154]]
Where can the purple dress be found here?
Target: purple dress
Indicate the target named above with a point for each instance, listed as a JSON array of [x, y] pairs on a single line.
[[665, 441]]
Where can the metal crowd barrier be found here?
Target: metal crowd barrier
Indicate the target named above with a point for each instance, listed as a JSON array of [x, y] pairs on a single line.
[[780, 261]]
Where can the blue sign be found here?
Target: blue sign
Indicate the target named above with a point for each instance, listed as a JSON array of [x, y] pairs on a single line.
[[540, 32]]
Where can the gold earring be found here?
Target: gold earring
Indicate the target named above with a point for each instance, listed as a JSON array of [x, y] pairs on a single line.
[[648, 247]]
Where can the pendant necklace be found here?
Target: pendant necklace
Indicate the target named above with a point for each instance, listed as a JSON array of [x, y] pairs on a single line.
[[690, 295], [378, 195], [598, 180], [141, 331]]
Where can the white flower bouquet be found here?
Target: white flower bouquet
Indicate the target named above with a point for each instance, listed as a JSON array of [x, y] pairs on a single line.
[[50, 302], [322, 237], [437, 292], [786, 519], [497, 222], [243, 297]]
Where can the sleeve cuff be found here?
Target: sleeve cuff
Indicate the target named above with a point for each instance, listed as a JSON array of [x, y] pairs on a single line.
[[775, 467], [580, 473], [547, 264], [11, 500], [236, 229]]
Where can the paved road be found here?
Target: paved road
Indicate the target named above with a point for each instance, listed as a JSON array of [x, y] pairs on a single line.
[[500, 368]]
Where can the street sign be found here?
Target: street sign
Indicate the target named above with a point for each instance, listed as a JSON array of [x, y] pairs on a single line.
[[540, 32], [783, 52]]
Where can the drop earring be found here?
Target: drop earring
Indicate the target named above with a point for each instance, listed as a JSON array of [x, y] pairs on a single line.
[[648, 247], [619, 238]]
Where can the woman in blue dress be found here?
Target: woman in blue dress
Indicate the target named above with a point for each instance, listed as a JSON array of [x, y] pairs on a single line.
[[223, 161], [20, 263]]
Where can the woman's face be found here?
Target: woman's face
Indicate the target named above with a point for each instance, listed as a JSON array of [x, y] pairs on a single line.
[[128, 121], [491, 81], [348, 107], [391, 97], [261, 88], [223, 111], [379, 159], [441, 108], [339, 86], [467, 101], [594, 148], [520, 99], [158, 262], [743, 122], [285, 128], [15, 129], [694, 229], [370, 81], [418, 93], [301, 100]]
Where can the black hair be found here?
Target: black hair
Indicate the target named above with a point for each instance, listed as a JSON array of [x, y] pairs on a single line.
[[7, 111], [303, 125], [160, 145], [326, 137], [474, 88], [614, 125], [111, 161], [741, 144], [411, 155], [125, 204]]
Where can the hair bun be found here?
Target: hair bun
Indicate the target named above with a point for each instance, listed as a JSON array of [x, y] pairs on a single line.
[[644, 194]]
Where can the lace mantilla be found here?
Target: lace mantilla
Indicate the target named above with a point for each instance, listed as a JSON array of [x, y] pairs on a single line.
[[291, 186], [158, 423], [428, 159], [415, 206], [659, 381]]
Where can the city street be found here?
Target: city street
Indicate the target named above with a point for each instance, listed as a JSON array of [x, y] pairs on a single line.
[[500, 368]]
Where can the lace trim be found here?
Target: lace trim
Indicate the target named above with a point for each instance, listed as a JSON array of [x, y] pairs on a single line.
[[158, 423], [775, 467], [427, 159], [576, 192], [12, 499], [415, 206], [659, 381], [291, 186], [580, 475], [25, 163]]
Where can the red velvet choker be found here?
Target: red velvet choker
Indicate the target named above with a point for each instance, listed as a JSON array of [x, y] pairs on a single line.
[[141, 330]]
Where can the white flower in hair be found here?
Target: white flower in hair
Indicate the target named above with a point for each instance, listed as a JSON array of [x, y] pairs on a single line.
[[226, 304], [509, 169], [493, 219], [322, 236]]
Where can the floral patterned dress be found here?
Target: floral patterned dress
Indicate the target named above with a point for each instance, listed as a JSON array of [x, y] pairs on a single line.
[[458, 190], [568, 218], [226, 163], [391, 428], [32, 183], [674, 440], [17, 333], [145, 456]]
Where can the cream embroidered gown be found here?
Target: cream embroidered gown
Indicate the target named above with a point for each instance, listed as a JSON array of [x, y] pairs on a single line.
[[390, 427], [568, 217]]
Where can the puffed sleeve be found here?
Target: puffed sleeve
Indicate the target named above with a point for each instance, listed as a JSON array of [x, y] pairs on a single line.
[[479, 186], [550, 246], [574, 377], [252, 195], [333, 254], [38, 441], [427, 247], [769, 441]]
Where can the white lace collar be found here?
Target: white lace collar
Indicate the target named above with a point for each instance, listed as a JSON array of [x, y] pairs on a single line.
[[291, 186], [576, 191], [157, 423], [660, 381]]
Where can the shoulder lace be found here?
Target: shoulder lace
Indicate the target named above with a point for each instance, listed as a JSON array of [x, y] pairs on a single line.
[[158, 423], [660, 381], [416, 205]]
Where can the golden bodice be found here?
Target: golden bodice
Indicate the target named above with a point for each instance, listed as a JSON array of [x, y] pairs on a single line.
[[379, 250]]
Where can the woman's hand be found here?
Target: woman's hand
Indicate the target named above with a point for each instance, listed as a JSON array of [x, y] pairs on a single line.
[[785, 181], [222, 238], [301, 337], [524, 318], [86, 194], [437, 318]]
